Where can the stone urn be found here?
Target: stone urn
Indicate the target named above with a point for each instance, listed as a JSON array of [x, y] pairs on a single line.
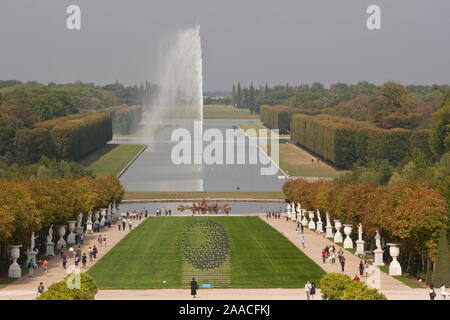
[[96, 217], [71, 236], [348, 243], [338, 235], [14, 270], [103, 219], [311, 224], [61, 243], [304, 219], [395, 269]]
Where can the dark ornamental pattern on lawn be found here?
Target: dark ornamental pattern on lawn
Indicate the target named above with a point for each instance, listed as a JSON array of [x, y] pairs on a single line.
[[205, 244]]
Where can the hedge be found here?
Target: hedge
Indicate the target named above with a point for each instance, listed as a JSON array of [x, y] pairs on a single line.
[[343, 141], [125, 118], [279, 116], [61, 291]]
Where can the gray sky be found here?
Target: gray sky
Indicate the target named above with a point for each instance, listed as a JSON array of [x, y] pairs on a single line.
[[295, 41]]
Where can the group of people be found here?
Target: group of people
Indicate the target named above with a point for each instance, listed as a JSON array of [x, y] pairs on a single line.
[[166, 212], [275, 215], [442, 289]]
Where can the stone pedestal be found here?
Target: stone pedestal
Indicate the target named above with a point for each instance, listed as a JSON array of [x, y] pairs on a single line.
[[319, 227], [329, 232], [378, 257], [360, 247], [89, 228], [79, 230], [14, 270], [31, 255], [50, 249], [395, 269]]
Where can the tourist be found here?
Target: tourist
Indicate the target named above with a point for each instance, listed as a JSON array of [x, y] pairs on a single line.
[[324, 255], [303, 241], [130, 225], [45, 267], [366, 267], [301, 228], [342, 261], [64, 261], [333, 257], [90, 253], [84, 260], [105, 237], [100, 240], [76, 261], [432, 292], [361, 268], [443, 291], [40, 288], [94, 252], [308, 287], [118, 225], [356, 278], [146, 212], [170, 212], [31, 266], [340, 253], [81, 238], [194, 288], [312, 291], [124, 224]]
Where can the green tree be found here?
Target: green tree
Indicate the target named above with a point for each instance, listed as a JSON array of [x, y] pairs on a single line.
[[439, 138], [441, 272]]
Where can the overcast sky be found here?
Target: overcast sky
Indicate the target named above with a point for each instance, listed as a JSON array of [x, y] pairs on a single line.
[[295, 41]]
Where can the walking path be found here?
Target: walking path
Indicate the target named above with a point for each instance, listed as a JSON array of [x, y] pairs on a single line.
[[25, 288], [315, 242]]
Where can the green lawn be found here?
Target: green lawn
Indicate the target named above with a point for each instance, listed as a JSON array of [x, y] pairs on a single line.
[[111, 158], [410, 282], [260, 257], [199, 195], [227, 112]]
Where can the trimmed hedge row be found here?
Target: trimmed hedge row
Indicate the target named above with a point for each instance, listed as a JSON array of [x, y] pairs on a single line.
[[126, 118], [343, 141], [279, 116], [68, 138]]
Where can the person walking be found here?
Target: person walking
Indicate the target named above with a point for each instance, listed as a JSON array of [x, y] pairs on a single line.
[[361, 268], [342, 260], [130, 225], [312, 291], [64, 261], [308, 287], [105, 237], [84, 260], [31, 267], [90, 254], [194, 288], [333, 257], [301, 228], [94, 252], [356, 278], [100, 240], [40, 288], [432, 292], [303, 241], [45, 267], [324, 256], [443, 291]]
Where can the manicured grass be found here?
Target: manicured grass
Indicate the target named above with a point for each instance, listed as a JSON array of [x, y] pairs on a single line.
[[111, 158], [406, 280], [198, 195], [260, 256], [226, 112]]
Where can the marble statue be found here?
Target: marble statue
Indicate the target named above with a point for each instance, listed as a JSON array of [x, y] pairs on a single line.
[[80, 220], [32, 243], [360, 231], [50, 234], [378, 241], [318, 215]]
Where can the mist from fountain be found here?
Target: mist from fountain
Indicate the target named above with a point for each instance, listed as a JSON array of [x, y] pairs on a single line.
[[180, 99]]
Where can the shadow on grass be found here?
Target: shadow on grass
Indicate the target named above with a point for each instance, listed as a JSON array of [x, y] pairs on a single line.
[[94, 156]]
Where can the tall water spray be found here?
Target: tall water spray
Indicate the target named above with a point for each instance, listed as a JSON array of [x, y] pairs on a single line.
[[180, 99]]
